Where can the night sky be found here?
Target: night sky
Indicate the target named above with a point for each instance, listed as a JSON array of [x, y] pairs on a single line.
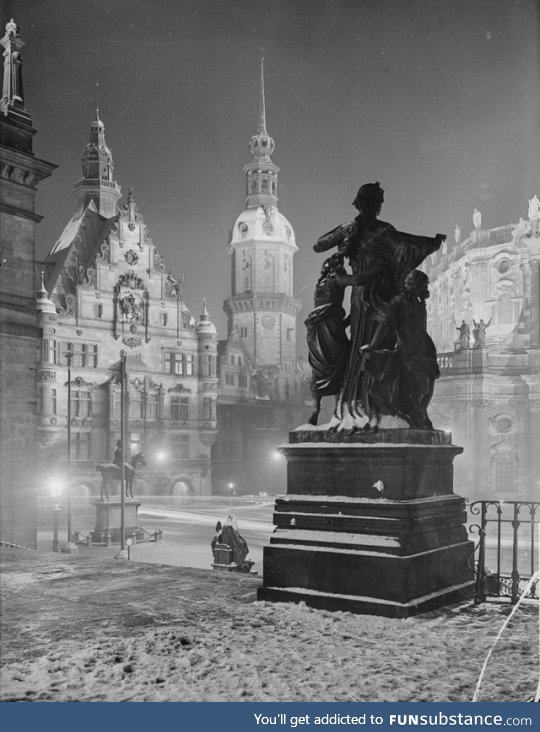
[[436, 99]]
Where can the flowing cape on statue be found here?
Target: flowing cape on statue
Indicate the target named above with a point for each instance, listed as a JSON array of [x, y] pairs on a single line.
[[374, 246]]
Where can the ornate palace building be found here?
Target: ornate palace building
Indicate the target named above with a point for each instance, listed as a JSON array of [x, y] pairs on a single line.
[[20, 337], [489, 391], [260, 387], [106, 289]]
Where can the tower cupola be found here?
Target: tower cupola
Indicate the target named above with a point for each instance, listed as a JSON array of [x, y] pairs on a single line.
[[261, 173], [97, 183]]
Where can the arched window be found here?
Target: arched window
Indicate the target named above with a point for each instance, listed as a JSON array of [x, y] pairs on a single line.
[[504, 308], [504, 473]]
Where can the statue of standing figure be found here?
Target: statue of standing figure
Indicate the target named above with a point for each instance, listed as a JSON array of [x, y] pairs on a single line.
[[477, 219], [380, 258], [534, 213], [479, 333], [457, 233], [464, 331]]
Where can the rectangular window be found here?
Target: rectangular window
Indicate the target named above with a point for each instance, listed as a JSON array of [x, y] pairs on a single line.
[[243, 332], [136, 405], [227, 419], [178, 363], [179, 409], [229, 379], [51, 351], [208, 409], [84, 355], [152, 407], [80, 446], [206, 365], [80, 403], [180, 447], [242, 381], [163, 318], [290, 332], [54, 401], [173, 363], [98, 310]]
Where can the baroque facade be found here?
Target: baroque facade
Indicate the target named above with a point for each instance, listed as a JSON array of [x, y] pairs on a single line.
[[488, 395], [107, 289], [20, 338], [261, 390]]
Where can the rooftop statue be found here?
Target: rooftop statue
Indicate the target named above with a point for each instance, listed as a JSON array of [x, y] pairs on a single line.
[[534, 213], [477, 219], [380, 258], [457, 233], [479, 333], [464, 331]]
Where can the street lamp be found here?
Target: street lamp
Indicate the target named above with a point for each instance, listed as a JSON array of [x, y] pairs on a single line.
[[55, 489], [162, 480], [69, 356]]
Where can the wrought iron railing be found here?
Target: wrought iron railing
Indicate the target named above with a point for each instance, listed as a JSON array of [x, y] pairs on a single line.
[[505, 554]]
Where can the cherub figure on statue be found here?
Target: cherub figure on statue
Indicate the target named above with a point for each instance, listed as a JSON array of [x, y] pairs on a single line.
[[401, 382]]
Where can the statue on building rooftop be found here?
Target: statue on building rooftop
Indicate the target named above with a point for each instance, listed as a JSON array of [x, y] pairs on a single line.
[[479, 333], [477, 219], [464, 331]]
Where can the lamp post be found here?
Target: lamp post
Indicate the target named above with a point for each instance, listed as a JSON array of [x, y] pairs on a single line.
[[123, 450], [69, 356], [161, 459], [55, 488]]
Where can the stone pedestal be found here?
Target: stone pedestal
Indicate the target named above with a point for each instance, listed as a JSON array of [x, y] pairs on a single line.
[[108, 520], [370, 524]]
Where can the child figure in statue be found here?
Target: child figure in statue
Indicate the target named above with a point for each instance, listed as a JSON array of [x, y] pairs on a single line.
[[401, 382], [327, 340]]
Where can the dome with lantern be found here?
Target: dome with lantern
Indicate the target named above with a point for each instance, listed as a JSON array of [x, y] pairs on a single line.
[[204, 324], [266, 223]]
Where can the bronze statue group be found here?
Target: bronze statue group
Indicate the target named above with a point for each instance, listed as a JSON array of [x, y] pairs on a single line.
[[383, 374]]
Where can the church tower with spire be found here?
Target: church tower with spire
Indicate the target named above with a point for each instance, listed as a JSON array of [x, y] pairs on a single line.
[[261, 389], [261, 309], [97, 183]]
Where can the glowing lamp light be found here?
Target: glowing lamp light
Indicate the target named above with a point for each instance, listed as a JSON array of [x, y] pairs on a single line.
[[276, 455], [55, 490], [161, 456], [230, 486]]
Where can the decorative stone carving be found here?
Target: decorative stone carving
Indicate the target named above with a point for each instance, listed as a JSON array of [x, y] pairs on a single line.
[[131, 257], [209, 386], [104, 249], [179, 389], [47, 375], [172, 289], [132, 342], [137, 383], [159, 262], [502, 422], [186, 319], [79, 381], [131, 280]]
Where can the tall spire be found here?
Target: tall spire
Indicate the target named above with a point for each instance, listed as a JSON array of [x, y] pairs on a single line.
[[97, 100], [261, 173], [97, 182], [262, 105]]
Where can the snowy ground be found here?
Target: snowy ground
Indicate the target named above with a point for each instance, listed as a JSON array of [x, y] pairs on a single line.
[[92, 629]]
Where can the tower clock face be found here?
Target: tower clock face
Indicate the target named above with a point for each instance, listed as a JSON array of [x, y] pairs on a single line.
[[268, 321]]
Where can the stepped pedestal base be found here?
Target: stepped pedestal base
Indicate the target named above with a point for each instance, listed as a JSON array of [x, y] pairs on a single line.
[[108, 520], [343, 544]]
